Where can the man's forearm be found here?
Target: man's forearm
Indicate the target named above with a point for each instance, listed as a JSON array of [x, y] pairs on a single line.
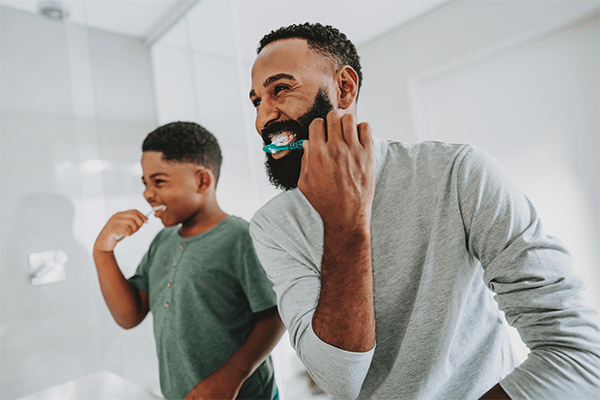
[[345, 314]]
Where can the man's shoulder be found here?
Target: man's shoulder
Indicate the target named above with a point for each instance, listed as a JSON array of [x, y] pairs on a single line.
[[426, 148], [289, 211], [284, 201], [420, 157]]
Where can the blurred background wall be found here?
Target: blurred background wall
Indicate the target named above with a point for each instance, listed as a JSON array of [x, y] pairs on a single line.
[[516, 78]]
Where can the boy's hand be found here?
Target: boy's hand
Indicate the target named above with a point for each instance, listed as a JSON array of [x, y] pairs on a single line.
[[218, 385], [124, 223]]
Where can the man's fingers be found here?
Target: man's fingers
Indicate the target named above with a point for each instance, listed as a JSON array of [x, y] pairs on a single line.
[[348, 123], [365, 135], [304, 165], [334, 126], [316, 131]]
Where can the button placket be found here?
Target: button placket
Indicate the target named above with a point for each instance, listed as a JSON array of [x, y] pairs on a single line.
[[170, 283]]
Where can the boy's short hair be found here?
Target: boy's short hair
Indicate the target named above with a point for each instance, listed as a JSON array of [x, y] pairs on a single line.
[[186, 142], [324, 39]]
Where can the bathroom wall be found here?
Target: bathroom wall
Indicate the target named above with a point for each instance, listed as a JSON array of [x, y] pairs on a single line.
[[75, 104]]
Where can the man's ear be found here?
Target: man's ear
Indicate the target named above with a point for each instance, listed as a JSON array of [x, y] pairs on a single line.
[[347, 81], [204, 179]]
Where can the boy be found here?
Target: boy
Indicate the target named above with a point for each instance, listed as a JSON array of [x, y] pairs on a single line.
[[215, 315]]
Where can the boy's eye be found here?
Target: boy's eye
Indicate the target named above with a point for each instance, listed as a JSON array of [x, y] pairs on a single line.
[[256, 102]]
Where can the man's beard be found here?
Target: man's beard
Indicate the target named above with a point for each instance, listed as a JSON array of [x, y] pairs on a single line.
[[285, 172]]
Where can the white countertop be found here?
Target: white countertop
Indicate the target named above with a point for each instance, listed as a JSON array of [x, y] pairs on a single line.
[[103, 385]]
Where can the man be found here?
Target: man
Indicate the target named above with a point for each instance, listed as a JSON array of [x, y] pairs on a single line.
[[385, 255]]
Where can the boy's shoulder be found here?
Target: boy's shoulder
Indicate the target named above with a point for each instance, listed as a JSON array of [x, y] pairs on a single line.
[[234, 227], [167, 232], [236, 222]]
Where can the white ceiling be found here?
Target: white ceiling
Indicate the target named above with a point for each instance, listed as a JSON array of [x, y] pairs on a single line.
[[361, 20]]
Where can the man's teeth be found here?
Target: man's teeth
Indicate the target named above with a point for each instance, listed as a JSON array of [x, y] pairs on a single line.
[[283, 138]]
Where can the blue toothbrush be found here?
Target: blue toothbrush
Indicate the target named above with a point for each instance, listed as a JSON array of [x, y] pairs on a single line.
[[274, 148]]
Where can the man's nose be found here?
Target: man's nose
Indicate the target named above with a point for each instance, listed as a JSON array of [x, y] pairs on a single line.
[[267, 113]]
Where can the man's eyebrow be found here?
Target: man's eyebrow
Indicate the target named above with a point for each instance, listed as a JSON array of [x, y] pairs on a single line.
[[272, 79], [276, 77]]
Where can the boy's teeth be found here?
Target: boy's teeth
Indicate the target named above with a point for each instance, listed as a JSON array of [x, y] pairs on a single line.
[[160, 208]]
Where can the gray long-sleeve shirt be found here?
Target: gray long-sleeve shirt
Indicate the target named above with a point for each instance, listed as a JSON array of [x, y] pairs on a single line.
[[449, 230]]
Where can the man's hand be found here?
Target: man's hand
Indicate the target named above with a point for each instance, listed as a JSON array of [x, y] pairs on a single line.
[[217, 386], [338, 171], [338, 180], [124, 223]]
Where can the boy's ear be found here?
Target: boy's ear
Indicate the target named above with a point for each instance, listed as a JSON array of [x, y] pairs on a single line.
[[347, 81], [204, 179]]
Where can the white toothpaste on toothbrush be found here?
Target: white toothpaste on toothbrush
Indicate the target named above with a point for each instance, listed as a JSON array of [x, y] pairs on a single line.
[[282, 139]]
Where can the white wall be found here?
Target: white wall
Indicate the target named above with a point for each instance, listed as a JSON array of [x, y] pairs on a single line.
[[75, 107]]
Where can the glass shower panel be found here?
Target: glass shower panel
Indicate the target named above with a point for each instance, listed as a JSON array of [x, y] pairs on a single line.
[[72, 119], [50, 330]]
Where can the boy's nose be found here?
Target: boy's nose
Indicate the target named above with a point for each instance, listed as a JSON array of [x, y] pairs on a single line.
[[148, 194]]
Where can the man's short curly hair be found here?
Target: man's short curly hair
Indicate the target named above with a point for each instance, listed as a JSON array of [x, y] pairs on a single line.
[[186, 142], [324, 39]]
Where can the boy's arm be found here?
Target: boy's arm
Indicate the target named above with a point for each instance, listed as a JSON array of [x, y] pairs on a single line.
[[127, 304], [227, 380]]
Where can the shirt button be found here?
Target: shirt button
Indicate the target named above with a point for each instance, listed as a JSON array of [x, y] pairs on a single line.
[[174, 264], [169, 284], [180, 246], [166, 304]]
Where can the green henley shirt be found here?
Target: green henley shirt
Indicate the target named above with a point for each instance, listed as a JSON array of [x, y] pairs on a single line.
[[204, 291]]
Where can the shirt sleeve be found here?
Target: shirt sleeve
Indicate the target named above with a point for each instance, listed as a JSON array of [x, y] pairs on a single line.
[[294, 269], [257, 287], [534, 283], [140, 277]]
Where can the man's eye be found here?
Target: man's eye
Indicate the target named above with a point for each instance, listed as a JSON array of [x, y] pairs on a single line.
[[279, 88]]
